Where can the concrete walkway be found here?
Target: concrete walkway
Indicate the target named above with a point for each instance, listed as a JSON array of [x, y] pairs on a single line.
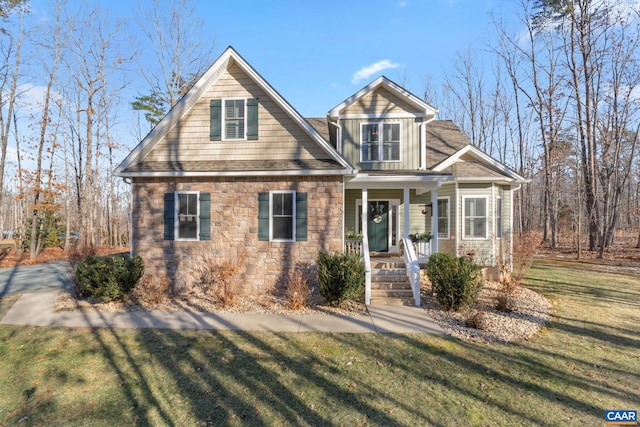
[[36, 309]]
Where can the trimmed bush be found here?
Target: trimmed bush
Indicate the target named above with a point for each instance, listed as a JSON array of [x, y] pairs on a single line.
[[456, 281], [108, 278], [340, 277]]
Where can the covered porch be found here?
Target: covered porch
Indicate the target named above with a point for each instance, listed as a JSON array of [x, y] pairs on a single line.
[[385, 208]]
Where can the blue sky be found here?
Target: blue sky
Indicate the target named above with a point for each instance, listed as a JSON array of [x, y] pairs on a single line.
[[316, 54]]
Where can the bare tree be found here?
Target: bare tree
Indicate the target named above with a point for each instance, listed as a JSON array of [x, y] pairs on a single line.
[[174, 30], [51, 45], [93, 60], [11, 42]]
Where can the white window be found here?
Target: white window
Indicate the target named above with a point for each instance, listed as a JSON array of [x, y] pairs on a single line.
[[234, 119], [187, 216], [499, 218], [282, 216], [474, 225], [443, 218], [380, 142]]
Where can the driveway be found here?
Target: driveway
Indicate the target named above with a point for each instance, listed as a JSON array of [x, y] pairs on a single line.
[[34, 278]]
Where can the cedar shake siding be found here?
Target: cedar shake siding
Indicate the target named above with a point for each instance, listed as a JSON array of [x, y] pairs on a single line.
[[277, 136], [234, 227]]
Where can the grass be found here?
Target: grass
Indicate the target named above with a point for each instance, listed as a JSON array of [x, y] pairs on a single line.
[[586, 361]]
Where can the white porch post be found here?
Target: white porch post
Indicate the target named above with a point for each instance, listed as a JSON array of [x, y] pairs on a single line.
[[365, 206], [407, 211], [434, 219]]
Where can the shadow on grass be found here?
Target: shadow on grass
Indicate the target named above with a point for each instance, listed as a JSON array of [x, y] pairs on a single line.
[[199, 377]]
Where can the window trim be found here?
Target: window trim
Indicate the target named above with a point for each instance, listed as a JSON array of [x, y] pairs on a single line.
[[486, 218], [381, 141], [223, 120], [448, 234], [176, 219], [293, 215]]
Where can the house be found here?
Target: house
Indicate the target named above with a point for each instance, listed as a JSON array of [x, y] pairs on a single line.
[[234, 170]]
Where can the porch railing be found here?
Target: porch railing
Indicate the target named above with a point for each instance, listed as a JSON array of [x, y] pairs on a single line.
[[413, 268], [353, 246], [361, 247], [422, 249]]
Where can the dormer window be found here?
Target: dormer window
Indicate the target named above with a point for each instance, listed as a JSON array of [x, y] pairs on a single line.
[[380, 142]]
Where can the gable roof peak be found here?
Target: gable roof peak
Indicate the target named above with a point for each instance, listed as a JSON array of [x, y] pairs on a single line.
[[391, 86], [200, 88]]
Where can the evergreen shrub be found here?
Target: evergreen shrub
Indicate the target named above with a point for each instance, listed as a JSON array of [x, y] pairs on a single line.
[[108, 278], [457, 282], [341, 277]]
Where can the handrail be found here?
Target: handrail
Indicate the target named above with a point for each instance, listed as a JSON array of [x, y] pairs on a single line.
[[367, 270], [413, 268]]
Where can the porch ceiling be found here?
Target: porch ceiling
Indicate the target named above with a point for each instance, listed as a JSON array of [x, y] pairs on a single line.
[[397, 179]]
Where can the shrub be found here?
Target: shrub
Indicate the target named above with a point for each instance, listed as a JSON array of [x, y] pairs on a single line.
[[108, 278], [218, 277], [340, 277], [455, 281], [297, 287], [151, 290], [476, 320], [76, 255], [524, 249], [505, 300]]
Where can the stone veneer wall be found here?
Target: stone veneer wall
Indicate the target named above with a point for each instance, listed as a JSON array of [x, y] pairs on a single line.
[[234, 227]]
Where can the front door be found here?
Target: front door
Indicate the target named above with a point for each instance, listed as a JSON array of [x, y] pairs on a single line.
[[378, 226]]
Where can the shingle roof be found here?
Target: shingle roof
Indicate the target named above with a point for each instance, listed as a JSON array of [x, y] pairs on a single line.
[[321, 125], [444, 138], [472, 169], [234, 166]]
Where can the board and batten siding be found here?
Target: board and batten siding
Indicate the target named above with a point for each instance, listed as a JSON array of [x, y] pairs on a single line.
[[492, 249], [379, 103], [279, 137], [409, 144]]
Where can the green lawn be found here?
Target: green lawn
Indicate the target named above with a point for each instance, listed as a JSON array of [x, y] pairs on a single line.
[[586, 361]]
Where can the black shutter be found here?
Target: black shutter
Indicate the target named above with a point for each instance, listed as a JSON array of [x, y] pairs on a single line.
[[252, 118], [205, 216], [169, 215], [215, 111], [301, 217], [263, 216]]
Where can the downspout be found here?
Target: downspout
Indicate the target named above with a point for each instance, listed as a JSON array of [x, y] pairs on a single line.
[[423, 143], [493, 220], [513, 189], [344, 182], [338, 134]]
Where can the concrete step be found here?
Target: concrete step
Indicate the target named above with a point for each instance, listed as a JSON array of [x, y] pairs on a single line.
[[393, 301], [387, 264], [390, 279], [391, 293], [391, 285], [389, 271]]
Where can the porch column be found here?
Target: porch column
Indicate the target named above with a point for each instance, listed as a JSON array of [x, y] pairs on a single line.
[[434, 219], [365, 206], [407, 211]]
